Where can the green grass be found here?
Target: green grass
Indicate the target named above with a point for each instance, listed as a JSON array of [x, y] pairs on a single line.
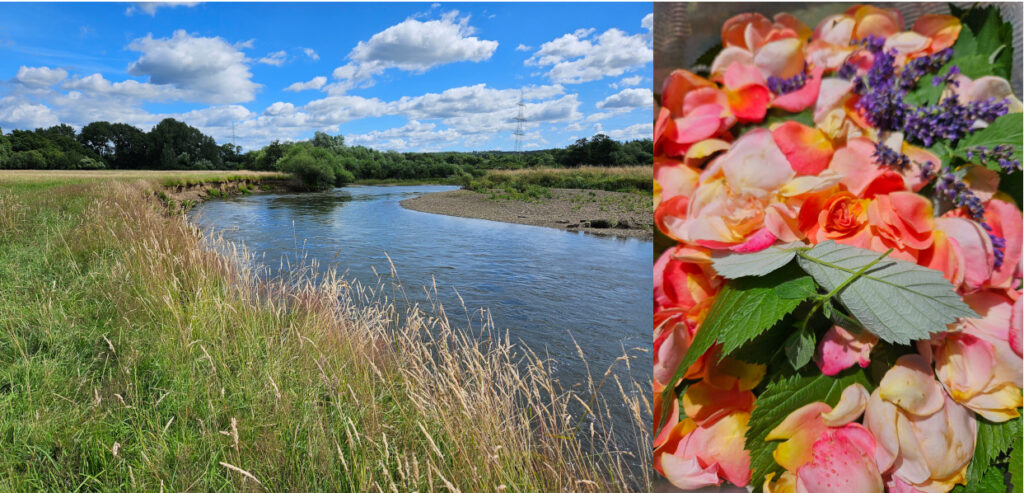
[[135, 357]]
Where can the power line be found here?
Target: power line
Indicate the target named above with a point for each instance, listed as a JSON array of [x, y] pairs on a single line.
[[520, 125]]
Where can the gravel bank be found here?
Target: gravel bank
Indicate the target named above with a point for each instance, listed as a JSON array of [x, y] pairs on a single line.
[[592, 211]]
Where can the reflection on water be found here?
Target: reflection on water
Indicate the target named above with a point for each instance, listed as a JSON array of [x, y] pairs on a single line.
[[540, 284]]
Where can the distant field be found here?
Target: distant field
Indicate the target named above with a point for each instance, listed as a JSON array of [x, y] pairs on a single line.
[[613, 179], [165, 177]]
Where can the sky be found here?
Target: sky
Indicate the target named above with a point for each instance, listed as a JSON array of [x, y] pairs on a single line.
[[399, 76]]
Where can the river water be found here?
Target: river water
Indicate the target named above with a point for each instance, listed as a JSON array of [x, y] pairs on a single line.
[[544, 286]]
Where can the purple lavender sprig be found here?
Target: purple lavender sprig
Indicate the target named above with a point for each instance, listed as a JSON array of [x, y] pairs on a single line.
[[949, 119], [953, 188], [888, 157], [779, 85], [1001, 154]]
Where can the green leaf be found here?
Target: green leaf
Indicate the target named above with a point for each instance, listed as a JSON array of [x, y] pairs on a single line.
[[1017, 463], [895, 300], [1012, 185], [708, 56], [735, 265], [1004, 130], [800, 347], [744, 308], [994, 39], [993, 439], [990, 482], [776, 402]]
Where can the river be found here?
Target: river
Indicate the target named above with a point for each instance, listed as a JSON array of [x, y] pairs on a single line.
[[540, 284]]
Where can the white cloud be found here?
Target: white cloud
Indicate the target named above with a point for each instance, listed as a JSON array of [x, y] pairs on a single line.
[[150, 8], [276, 58], [40, 77], [311, 53], [414, 46], [312, 84], [412, 135], [647, 22], [208, 69], [577, 57], [523, 47], [16, 113], [95, 84], [632, 132], [627, 99], [628, 82]]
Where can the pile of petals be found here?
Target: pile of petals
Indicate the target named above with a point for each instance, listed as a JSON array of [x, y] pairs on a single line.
[[800, 135]]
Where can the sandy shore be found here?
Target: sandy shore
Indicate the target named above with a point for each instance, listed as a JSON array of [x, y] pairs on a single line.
[[592, 211]]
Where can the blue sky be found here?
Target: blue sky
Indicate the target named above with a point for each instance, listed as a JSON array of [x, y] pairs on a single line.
[[402, 76]]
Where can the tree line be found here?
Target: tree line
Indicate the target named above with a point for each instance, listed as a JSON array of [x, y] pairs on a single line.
[[320, 162]]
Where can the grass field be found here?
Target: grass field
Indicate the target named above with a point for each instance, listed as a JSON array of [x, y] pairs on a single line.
[[133, 356], [531, 183], [166, 178]]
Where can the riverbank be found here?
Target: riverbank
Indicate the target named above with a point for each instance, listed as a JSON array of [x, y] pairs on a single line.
[[591, 211], [135, 357]]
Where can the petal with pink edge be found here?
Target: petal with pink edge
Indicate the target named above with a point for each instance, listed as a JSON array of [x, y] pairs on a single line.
[[806, 148], [976, 248], [840, 463], [755, 165], [1014, 337], [701, 123], [728, 56], [737, 76], [1005, 220], [761, 239], [687, 474], [802, 98], [749, 104], [839, 350]]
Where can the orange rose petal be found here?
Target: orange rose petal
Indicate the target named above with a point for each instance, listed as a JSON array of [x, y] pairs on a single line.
[[942, 29], [806, 148], [749, 104]]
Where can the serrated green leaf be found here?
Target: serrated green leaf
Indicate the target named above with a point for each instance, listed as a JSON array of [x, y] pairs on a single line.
[[1017, 463], [744, 308], [993, 439], [800, 347], [777, 401], [1005, 130], [895, 300], [993, 35], [733, 265], [990, 482]]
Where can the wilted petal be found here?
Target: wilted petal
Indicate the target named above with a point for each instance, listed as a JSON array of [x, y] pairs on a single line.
[[880, 419], [849, 408], [910, 385], [839, 349]]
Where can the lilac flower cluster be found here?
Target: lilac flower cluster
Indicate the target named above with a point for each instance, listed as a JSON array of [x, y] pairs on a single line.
[[951, 187], [949, 119], [1002, 154], [888, 157], [779, 85]]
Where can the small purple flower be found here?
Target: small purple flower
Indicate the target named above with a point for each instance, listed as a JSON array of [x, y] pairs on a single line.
[[779, 85], [888, 157], [1001, 154]]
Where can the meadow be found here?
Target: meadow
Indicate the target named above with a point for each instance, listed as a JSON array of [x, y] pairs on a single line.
[[135, 354]]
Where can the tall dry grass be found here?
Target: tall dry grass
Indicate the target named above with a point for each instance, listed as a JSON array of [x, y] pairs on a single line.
[[193, 368]]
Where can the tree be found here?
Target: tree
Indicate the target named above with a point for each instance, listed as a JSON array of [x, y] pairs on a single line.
[[99, 137], [324, 141]]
